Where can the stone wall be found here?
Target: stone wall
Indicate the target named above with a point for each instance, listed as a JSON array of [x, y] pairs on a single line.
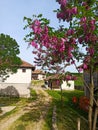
[[16, 89]]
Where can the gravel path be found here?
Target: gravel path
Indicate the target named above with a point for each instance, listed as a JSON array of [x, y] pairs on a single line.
[[43, 98]]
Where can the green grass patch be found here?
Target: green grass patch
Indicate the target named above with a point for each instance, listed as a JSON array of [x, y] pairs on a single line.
[[37, 82], [48, 119], [67, 112], [79, 80], [26, 120], [7, 101], [33, 94], [18, 102]]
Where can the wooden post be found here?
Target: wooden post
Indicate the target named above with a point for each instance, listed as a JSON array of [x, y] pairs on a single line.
[[95, 116], [78, 124]]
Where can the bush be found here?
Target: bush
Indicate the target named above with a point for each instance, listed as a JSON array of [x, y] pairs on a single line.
[[84, 103]]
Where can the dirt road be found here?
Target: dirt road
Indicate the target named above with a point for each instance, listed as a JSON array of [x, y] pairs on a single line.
[[42, 104]]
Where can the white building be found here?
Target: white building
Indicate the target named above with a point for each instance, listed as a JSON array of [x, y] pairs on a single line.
[[67, 85], [21, 80], [55, 83], [38, 75]]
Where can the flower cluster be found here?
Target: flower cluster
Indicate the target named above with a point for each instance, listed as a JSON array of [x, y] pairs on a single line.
[[55, 48], [75, 100], [82, 102], [52, 48], [66, 12]]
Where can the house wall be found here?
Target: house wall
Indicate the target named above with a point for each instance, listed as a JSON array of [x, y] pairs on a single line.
[[41, 76], [20, 81], [64, 85], [19, 77], [22, 88], [68, 85]]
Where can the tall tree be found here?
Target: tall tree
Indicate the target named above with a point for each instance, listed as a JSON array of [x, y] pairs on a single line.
[[9, 61], [63, 46]]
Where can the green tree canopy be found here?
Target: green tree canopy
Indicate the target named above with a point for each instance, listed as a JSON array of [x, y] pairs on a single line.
[[9, 61]]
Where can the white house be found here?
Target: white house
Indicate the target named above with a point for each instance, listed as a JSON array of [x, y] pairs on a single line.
[[21, 80], [67, 85], [53, 82], [38, 75]]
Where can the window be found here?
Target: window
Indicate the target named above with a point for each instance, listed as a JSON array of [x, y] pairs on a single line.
[[23, 70]]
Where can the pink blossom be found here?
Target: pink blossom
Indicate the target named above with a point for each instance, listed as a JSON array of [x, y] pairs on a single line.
[[73, 41], [73, 62], [85, 66], [74, 10], [87, 38], [83, 20], [70, 32], [92, 21], [34, 44], [68, 77], [80, 39], [36, 27], [73, 78], [84, 27], [62, 2], [46, 29], [92, 28], [80, 69], [84, 4], [37, 22], [60, 15], [91, 51]]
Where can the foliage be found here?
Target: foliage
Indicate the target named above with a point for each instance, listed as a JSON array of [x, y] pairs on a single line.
[[33, 94], [7, 101], [9, 61], [84, 103], [79, 79], [57, 48]]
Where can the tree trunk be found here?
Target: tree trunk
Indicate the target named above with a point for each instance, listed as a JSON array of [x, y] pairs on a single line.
[[90, 114], [95, 118], [61, 95]]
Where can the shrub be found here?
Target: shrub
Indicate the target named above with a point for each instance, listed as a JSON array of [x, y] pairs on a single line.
[[84, 103], [75, 100]]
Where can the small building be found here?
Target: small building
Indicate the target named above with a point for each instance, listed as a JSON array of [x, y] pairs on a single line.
[[20, 81], [38, 75], [55, 83]]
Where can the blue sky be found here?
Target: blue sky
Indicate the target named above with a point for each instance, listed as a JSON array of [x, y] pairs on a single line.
[[12, 13]]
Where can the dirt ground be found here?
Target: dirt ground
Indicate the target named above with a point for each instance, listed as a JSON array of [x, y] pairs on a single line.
[[43, 98]]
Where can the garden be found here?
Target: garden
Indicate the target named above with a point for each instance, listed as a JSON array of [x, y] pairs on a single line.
[[69, 109]]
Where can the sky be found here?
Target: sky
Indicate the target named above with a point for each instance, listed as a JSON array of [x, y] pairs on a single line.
[[12, 13]]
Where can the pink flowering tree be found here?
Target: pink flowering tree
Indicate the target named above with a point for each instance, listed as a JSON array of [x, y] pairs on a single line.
[[56, 49]]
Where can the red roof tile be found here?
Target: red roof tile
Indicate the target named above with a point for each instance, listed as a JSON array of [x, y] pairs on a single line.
[[38, 72], [27, 65]]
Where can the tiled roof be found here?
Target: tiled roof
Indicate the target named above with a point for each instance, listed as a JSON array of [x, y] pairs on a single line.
[[38, 72], [55, 76], [26, 65]]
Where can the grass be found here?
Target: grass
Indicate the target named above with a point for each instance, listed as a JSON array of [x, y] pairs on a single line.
[[11, 101], [79, 80], [28, 119], [67, 112], [18, 102], [7, 101], [48, 119], [37, 82]]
